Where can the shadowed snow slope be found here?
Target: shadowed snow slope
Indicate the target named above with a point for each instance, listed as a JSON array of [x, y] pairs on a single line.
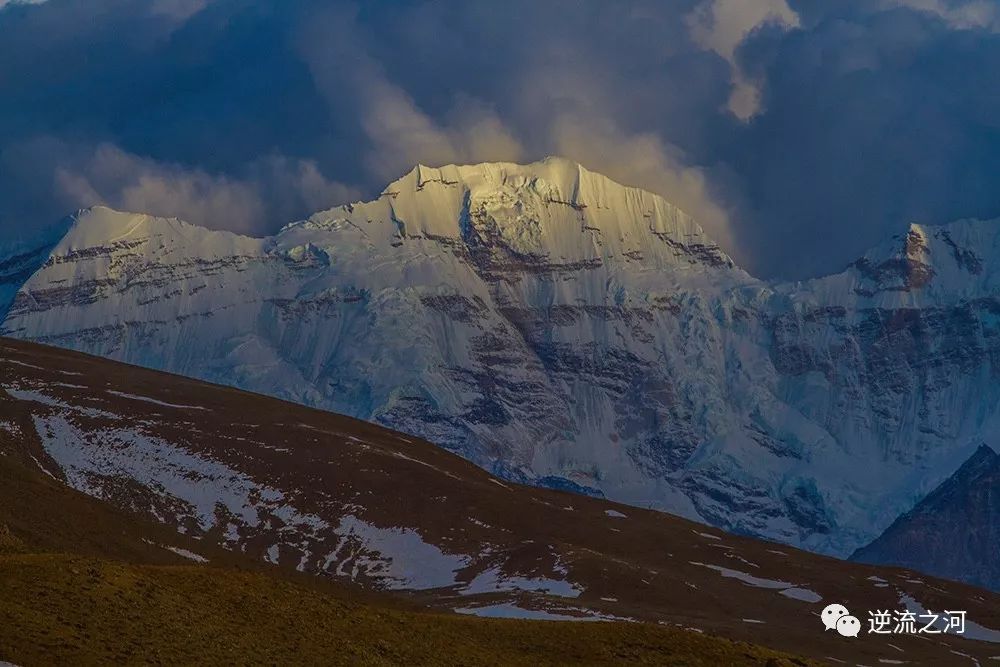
[[560, 329]]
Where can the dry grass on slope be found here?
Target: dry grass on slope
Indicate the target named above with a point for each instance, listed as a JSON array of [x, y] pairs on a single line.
[[57, 609], [84, 583]]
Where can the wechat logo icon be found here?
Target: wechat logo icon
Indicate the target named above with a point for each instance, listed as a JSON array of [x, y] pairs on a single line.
[[836, 617]]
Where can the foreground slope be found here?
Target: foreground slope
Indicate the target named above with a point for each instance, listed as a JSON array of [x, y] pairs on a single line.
[[189, 615], [319, 497], [561, 329], [84, 583]]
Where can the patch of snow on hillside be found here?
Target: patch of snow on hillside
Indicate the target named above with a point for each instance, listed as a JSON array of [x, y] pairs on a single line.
[[184, 553], [202, 485], [748, 579], [510, 610], [787, 589], [493, 580], [146, 399], [973, 630], [399, 556], [21, 363], [45, 399], [155, 463], [803, 594]]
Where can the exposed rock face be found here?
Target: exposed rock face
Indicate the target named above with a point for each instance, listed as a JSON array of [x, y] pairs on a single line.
[[954, 532], [558, 328]]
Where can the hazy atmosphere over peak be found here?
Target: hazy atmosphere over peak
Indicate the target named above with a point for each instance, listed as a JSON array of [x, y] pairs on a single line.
[[798, 132]]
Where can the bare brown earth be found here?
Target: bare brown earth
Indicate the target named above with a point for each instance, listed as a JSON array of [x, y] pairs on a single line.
[[328, 470]]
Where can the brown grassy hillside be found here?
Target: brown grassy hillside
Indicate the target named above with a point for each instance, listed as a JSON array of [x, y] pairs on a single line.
[[288, 503], [82, 583]]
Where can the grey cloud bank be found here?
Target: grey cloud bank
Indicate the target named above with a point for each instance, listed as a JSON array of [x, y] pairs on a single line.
[[799, 133]]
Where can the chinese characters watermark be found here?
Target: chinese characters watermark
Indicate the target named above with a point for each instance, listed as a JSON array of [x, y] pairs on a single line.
[[893, 621]]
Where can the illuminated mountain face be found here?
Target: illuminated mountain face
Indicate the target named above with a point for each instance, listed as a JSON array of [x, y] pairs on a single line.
[[561, 329]]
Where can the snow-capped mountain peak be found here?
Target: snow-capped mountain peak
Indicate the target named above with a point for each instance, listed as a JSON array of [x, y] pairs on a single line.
[[552, 212], [100, 226], [560, 328], [925, 266]]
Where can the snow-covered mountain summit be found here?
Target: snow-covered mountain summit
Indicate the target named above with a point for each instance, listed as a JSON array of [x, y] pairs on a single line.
[[550, 216], [557, 327], [926, 266]]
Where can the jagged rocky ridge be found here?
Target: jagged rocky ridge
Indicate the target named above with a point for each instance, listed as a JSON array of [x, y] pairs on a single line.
[[559, 328]]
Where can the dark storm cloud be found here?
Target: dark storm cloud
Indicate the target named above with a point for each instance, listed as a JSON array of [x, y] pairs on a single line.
[[197, 113], [201, 114], [872, 120], [851, 118]]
